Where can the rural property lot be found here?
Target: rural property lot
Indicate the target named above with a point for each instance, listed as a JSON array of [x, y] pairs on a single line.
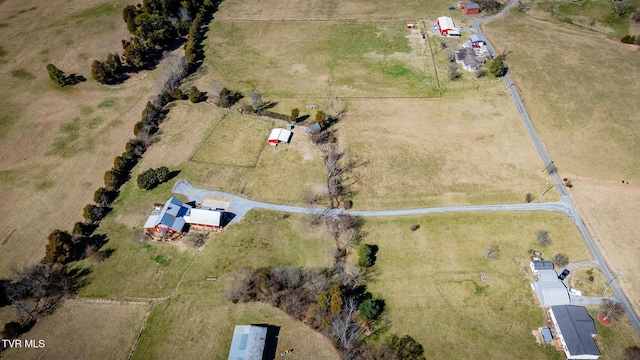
[[589, 127], [436, 152], [467, 147], [435, 274]]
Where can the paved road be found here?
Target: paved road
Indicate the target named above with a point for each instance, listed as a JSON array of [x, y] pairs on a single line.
[[566, 200], [240, 206]]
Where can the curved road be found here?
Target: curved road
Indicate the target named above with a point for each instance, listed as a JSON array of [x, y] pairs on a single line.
[[566, 200]]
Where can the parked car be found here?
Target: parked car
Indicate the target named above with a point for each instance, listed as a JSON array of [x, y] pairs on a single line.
[[564, 274]]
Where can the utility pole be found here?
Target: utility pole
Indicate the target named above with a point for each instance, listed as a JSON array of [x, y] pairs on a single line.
[[609, 283], [546, 167]]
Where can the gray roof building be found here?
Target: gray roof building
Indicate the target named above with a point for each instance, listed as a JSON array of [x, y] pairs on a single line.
[[551, 293], [575, 329], [537, 265], [248, 342]]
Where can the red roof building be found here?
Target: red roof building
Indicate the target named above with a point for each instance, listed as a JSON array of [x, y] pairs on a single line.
[[470, 8]]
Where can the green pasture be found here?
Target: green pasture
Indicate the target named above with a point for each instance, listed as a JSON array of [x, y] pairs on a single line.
[[344, 58], [236, 140]]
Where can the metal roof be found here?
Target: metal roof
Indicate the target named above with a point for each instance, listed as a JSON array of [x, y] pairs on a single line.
[[204, 217], [547, 275], [551, 293], [576, 328], [170, 216], [248, 342], [472, 6]]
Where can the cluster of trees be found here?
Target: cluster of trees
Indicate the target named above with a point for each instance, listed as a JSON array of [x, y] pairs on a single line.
[[109, 71], [227, 98], [59, 78], [324, 299], [155, 26], [496, 66], [489, 5], [35, 292], [153, 177]]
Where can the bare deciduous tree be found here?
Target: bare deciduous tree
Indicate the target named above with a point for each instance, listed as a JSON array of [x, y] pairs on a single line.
[[543, 237], [611, 309], [38, 290], [560, 260], [344, 329]]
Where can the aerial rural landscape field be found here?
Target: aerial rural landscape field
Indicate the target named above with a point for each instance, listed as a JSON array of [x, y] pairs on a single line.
[[402, 214]]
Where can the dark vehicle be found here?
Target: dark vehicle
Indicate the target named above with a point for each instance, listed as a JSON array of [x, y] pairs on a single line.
[[564, 274]]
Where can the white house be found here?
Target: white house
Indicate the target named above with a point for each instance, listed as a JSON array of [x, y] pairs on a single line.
[[575, 330]]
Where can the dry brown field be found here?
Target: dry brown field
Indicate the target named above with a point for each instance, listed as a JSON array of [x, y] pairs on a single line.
[[580, 89], [457, 150], [81, 330], [57, 143]]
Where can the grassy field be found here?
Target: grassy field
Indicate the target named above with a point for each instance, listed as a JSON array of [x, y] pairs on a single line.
[[57, 143], [345, 58], [594, 100], [81, 330], [236, 140], [485, 156], [434, 292]]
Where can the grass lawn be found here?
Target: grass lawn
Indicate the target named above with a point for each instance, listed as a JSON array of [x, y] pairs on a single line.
[[201, 317], [236, 140], [346, 58], [136, 268], [81, 330], [430, 280]]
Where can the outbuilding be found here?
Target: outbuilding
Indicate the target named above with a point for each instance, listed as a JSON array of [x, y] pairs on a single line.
[[447, 27], [204, 218], [470, 8], [248, 342], [476, 41], [279, 135]]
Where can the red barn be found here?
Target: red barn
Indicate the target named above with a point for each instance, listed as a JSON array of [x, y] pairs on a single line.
[[470, 8]]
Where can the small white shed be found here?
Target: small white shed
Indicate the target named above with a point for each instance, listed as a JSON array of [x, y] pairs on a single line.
[[279, 135]]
